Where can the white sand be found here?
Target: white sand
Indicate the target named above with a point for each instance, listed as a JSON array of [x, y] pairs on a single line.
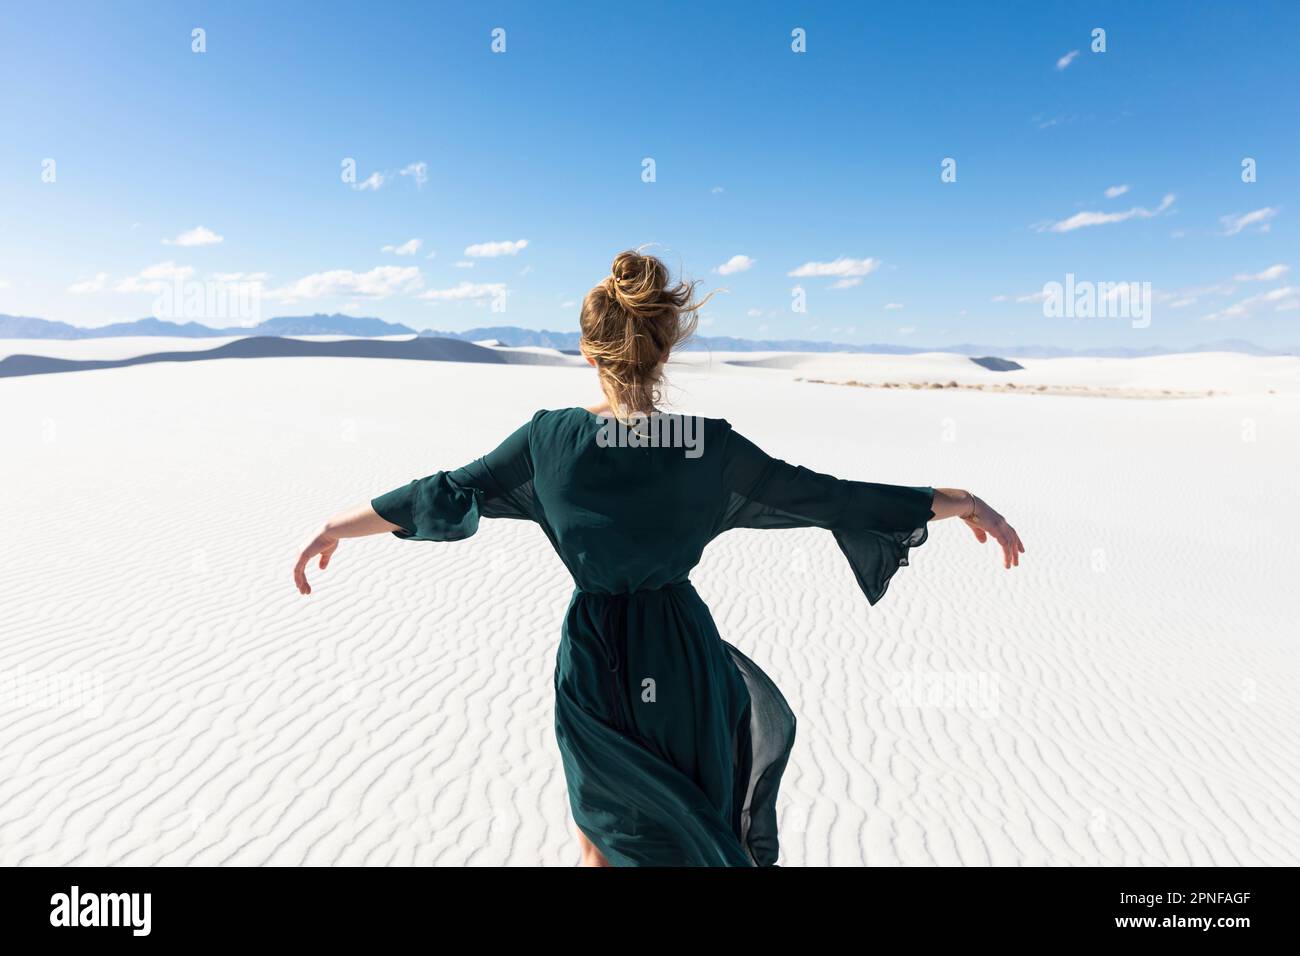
[[1128, 696]]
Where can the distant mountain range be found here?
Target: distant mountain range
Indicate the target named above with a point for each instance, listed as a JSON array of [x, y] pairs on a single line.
[[22, 327]]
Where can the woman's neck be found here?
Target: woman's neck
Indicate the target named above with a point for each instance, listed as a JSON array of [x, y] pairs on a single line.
[[607, 409]]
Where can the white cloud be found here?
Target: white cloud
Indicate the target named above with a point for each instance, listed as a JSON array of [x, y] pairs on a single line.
[[373, 181], [1066, 60], [419, 172], [754, 313], [409, 248], [155, 278], [1260, 217], [891, 306], [907, 330], [843, 266], [466, 291], [735, 264], [378, 283], [198, 236], [1268, 275], [1039, 296], [1283, 298], [846, 283], [717, 189], [90, 286], [241, 276], [489, 250], [464, 264], [1114, 191], [1092, 218]]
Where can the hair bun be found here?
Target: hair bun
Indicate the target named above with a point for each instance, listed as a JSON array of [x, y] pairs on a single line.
[[637, 281], [631, 320]]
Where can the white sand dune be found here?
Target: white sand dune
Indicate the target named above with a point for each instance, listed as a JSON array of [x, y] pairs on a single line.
[[128, 346], [1128, 696], [1199, 372]]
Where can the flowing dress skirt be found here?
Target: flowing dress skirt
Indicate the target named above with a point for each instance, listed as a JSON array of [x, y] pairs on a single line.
[[673, 741]]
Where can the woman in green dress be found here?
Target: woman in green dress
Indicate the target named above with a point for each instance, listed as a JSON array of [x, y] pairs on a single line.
[[673, 742]]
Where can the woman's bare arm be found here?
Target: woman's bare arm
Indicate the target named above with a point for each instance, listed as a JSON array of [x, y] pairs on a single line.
[[981, 519], [356, 523]]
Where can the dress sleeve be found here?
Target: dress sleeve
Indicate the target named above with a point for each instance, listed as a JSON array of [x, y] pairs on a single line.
[[447, 506], [874, 525]]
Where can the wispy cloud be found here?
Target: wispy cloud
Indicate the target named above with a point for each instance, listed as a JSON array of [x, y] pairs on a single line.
[[378, 283], [409, 248], [372, 182], [97, 283], [1081, 220], [735, 264], [1267, 275], [241, 276], [488, 250], [841, 267], [1113, 192], [1260, 217], [1282, 299], [155, 278], [892, 306], [1066, 60], [198, 236], [847, 283], [1039, 296], [466, 292], [419, 173]]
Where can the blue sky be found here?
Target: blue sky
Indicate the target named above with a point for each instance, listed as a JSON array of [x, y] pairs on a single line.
[[522, 172]]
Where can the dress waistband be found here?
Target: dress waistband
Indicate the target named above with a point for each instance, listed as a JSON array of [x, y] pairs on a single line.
[[683, 585]]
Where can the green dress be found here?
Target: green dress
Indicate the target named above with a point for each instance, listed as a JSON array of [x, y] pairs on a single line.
[[673, 741]]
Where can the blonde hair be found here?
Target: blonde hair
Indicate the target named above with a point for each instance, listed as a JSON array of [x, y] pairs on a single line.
[[631, 320]]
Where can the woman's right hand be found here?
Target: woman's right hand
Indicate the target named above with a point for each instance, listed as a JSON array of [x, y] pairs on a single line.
[[984, 521], [323, 544]]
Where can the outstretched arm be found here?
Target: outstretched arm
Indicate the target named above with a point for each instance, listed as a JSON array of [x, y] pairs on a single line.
[[981, 519], [356, 523], [445, 506]]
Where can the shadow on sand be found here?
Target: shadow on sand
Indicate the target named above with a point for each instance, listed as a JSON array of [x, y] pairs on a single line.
[[418, 349]]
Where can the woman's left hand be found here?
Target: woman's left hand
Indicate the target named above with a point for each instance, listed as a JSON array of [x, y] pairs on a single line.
[[984, 521]]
